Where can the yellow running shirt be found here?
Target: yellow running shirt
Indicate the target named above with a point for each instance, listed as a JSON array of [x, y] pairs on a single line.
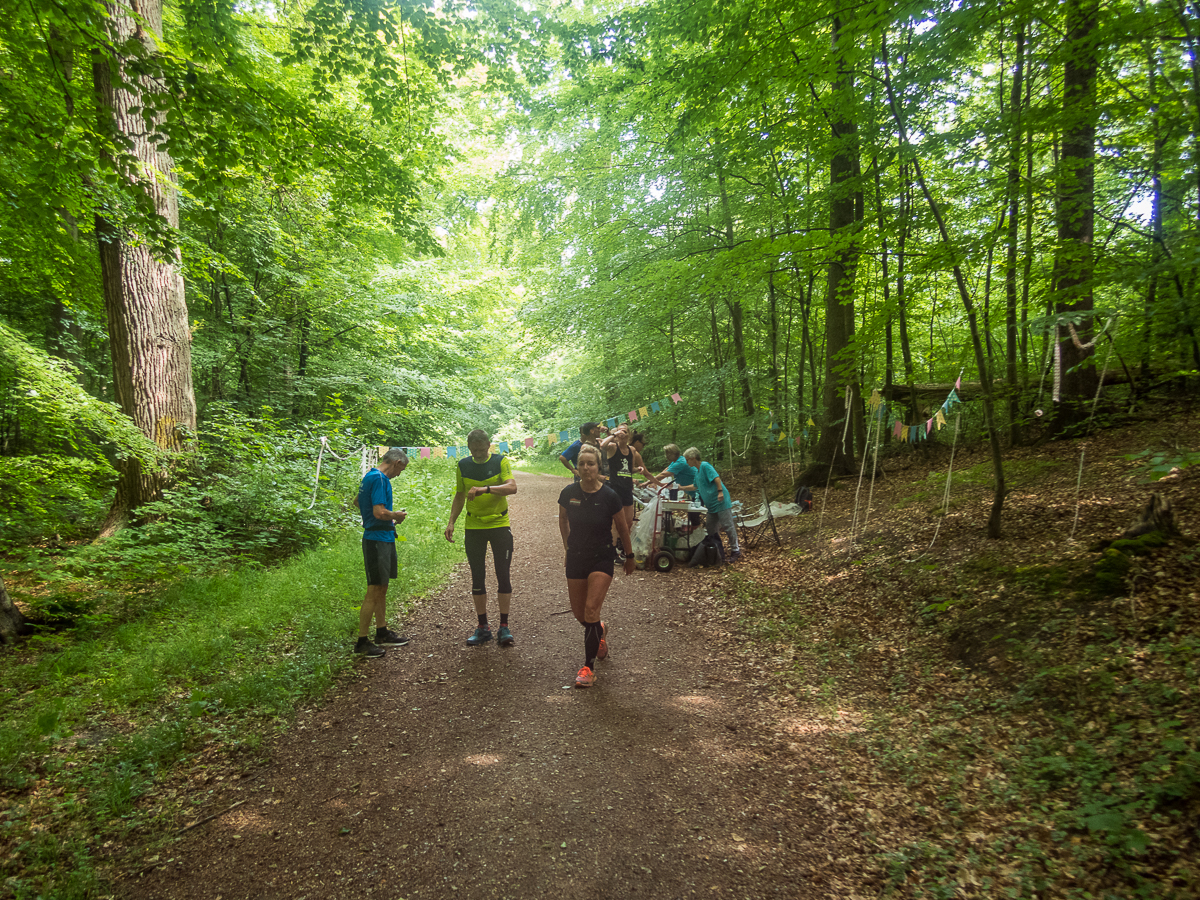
[[486, 510]]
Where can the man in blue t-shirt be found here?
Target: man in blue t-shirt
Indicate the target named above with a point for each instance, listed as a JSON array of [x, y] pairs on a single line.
[[589, 433], [716, 499], [379, 552]]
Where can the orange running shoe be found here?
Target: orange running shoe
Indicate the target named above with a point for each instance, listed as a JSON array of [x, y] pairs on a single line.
[[603, 650], [585, 678]]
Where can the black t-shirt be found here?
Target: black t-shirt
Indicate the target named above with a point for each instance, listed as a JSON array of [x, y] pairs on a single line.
[[620, 465], [590, 516]]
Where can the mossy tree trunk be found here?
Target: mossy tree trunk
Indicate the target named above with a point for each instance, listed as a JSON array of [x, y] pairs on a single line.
[[12, 623]]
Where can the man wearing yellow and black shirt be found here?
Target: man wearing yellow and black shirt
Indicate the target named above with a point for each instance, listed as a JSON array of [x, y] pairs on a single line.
[[483, 484]]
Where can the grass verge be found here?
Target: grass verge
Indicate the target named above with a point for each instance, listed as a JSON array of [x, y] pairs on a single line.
[[95, 719]]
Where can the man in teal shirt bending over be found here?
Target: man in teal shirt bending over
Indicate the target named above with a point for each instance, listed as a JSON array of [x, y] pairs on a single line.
[[715, 497]]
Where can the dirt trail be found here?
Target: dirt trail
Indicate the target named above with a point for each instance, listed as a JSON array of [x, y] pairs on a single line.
[[448, 771]]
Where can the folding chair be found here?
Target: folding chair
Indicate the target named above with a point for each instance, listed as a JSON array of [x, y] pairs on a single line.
[[753, 526]]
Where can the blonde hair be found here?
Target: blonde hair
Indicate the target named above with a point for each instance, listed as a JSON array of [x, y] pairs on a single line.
[[672, 452], [591, 451], [691, 453]]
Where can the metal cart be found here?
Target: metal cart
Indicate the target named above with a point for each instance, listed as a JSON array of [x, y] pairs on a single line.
[[673, 532]]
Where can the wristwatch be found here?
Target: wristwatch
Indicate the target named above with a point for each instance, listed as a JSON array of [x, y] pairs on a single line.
[[489, 488]]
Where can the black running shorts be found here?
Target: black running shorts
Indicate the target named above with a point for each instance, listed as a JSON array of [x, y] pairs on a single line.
[[379, 557], [583, 563]]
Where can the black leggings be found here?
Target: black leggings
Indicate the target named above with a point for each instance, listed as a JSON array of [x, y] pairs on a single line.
[[476, 541]]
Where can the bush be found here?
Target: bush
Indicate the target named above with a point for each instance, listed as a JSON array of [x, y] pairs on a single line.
[[244, 494], [42, 496]]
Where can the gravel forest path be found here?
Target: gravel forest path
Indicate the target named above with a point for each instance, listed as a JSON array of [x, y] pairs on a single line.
[[445, 771]]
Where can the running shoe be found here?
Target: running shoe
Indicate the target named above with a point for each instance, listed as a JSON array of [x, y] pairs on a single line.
[[481, 635], [504, 637], [385, 637], [366, 648], [585, 678], [603, 651]]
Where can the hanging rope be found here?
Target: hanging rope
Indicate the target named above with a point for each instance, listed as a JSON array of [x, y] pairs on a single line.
[[1042, 380], [1088, 431], [829, 477], [861, 472], [325, 448], [874, 465], [945, 493]]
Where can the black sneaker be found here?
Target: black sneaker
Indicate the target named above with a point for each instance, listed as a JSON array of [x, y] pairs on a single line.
[[366, 648], [385, 637]]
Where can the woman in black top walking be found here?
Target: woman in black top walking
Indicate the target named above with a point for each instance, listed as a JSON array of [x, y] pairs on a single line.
[[587, 513]]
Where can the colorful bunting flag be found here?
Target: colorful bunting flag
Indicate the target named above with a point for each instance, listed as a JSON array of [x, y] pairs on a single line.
[[655, 406], [439, 452], [529, 442], [811, 423], [632, 416], [452, 452], [611, 423], [929, 426], [896, 429], [940, 418], [643, 412], [550, 440], [564, 435], [676, 398], [424, 453], [504, 446]]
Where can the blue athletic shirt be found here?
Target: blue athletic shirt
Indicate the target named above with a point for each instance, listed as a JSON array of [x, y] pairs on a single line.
[[376, 488], [572, 453]]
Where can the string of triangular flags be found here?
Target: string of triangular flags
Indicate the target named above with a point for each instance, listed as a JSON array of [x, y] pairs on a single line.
[[778, 434], [559, 437], [912, 434]]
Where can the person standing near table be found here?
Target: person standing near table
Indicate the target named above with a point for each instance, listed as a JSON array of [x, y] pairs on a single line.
[[379, 552], [588, 512], [715, 497], [678, 468], [483, 484]]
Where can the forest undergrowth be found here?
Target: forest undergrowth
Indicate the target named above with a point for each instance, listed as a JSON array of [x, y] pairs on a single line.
[[1025, 711], [133, 688]]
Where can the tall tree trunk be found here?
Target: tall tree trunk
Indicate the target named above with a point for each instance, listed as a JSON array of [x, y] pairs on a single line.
[[736, 321], [844, 202], [1156, 218], [1074, 262], [989, 416], [1010, 262], [910, 375], [12, 623], [773, 339], [143, 293]]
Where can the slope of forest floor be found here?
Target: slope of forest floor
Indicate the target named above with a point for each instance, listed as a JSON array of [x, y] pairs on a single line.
[[1028, 707]]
